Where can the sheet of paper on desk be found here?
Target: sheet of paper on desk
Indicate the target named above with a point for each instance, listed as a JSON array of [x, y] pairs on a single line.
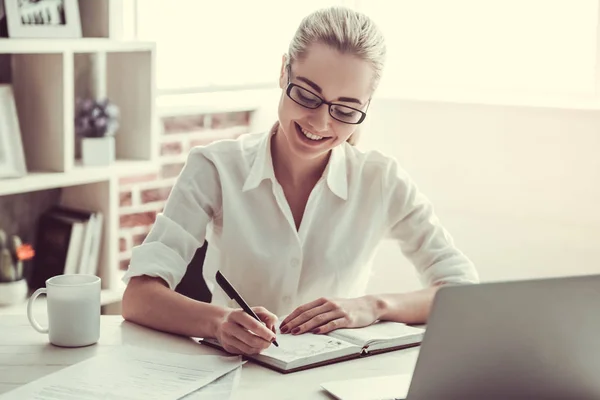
[[392, 387], [130, 373], [220, 389]]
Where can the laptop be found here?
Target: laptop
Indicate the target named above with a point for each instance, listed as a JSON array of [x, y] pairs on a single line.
[[531, 339]]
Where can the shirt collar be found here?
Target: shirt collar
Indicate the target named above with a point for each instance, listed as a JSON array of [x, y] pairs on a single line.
[[262, 168], [336, 172]]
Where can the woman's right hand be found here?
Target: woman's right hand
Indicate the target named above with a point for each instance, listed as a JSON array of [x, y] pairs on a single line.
[[239, 333]]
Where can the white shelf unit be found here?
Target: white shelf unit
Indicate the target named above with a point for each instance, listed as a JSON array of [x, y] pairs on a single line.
[[81, 45], [44, 77], [42, 180]]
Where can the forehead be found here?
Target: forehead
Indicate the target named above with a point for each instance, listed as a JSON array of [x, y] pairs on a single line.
[[339, 75]]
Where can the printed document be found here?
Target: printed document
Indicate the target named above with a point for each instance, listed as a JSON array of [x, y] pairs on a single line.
[[221, 389], [129, 373]]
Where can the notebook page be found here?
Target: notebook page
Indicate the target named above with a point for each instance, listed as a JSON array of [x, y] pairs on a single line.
[[380, 332], [298, 350]]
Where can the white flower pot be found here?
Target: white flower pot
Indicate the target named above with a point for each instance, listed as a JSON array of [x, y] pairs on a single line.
[[98, 151], [13, 292]]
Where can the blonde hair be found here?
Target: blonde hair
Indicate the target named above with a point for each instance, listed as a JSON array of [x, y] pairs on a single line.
[[346, 30]]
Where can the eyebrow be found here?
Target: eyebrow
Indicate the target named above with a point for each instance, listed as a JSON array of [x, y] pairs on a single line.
[[318, 89]]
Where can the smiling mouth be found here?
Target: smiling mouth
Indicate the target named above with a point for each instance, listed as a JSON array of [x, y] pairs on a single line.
[[308, 135]]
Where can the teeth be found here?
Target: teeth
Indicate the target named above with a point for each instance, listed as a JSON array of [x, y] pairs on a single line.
[[310, 135]]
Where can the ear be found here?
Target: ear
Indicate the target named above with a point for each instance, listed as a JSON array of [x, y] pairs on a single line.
[[283, 72]]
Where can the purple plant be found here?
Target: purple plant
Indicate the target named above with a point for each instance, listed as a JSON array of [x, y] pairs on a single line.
[[96, 118]]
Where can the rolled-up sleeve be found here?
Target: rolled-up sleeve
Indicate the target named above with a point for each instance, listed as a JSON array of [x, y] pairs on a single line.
[[180, 229], [422, 239]]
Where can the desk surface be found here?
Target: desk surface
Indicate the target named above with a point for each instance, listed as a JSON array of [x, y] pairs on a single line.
[[26, 355]]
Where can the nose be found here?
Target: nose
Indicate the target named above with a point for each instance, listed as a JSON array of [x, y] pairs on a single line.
[[319, 119]]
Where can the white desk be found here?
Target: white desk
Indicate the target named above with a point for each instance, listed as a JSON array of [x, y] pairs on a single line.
[[26, 355]]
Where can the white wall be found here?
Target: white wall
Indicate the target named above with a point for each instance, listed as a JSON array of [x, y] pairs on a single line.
[[517, 187]]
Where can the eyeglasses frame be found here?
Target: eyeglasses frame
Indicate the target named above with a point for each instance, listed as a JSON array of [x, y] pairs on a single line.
[[291, 85]]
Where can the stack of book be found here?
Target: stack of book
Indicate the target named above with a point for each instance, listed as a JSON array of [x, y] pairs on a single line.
[[67, 242]]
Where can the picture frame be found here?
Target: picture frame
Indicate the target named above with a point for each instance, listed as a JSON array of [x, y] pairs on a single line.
[[12, 156], [42, 18]]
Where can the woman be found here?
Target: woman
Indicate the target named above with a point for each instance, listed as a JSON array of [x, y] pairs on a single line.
[[293, 216]]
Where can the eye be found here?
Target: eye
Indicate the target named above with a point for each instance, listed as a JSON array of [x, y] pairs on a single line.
[[304, 97], [307, 98], [344, 113]]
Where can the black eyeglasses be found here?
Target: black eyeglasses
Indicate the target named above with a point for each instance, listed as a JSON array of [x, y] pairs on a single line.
[[308, 99]]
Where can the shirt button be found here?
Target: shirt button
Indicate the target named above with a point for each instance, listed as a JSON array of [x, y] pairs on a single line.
[[294, 262], [286, 299]]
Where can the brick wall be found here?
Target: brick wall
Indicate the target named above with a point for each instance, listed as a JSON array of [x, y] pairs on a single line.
[[143, 196]]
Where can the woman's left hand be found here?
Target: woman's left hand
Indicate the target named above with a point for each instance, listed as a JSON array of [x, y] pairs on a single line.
[[325, 315]]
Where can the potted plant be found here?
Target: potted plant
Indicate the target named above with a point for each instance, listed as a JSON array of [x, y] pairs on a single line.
[[97, 122], [13, 286]]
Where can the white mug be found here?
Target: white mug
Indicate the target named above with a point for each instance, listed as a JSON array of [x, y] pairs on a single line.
[[73, 305]]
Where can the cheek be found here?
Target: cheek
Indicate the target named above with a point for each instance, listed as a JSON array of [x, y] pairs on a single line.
[[289, 111], [281, 110], [283, 114]]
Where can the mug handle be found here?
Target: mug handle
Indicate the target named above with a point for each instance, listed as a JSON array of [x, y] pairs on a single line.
[[36, 325]]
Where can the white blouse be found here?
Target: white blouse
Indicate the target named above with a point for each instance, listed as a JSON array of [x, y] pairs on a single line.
[[227, 193]]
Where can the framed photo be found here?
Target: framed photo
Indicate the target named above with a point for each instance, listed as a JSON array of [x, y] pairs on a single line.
[[42, 18], [12, 157]]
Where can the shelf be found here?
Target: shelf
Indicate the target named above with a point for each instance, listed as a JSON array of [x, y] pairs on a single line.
[[78, 176], [119, 168], [47, 77], [82, 45]]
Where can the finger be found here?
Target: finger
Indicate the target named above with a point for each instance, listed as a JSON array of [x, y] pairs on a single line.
[[246, 323], [236, 346], [303, 308], [272, 326], [228, 347], [292, 325], [267, 317], [318, 321], [248, 338], [331, 326]]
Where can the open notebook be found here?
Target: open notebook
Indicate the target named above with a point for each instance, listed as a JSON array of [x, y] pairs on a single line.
[[296, 353]]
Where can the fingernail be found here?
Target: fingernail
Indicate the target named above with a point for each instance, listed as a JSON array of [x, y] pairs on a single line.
[[315, 331], [295, 330], [283, 329]]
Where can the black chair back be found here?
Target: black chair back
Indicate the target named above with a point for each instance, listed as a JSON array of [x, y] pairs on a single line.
[[193, 284]]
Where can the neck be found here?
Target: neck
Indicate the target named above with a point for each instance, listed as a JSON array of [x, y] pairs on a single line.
[[291, 169]]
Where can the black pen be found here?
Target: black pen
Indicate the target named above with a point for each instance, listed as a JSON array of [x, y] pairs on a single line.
[[233, 294]]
